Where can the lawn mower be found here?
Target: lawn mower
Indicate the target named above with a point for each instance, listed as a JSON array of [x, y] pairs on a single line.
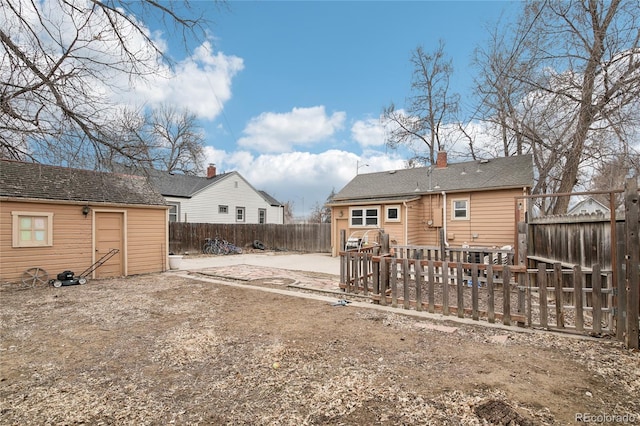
[[69, 278]]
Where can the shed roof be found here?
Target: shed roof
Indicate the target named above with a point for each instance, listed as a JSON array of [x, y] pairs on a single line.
[[45, 182], [479, 175]]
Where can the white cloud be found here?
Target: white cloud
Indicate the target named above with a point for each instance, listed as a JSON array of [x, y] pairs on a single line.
[[303, 178], [369, 132], [200, 83], [279, 132]]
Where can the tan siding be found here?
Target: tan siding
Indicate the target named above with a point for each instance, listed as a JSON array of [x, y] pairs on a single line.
[[146, 235], [71, 250], [414, 223], [492, 218], [395, 231], [72, 241]]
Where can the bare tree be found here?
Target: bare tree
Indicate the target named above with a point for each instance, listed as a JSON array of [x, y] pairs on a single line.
[[315, 216], [500, 90], [574, 68], [322, 213], [60, 60], [430, 106], [166, 139], [288, 212], [612, 174]]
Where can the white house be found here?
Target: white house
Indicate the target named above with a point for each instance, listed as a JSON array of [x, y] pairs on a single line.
[[217, 198], [589, 206]]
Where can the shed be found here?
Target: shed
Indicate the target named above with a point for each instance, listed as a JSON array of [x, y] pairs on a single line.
[[59, 218]]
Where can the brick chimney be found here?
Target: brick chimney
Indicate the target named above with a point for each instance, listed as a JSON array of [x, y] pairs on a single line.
[[441, 161], [211, 171]]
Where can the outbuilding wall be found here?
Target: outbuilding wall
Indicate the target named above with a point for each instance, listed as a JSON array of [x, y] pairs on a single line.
[[73, 246]]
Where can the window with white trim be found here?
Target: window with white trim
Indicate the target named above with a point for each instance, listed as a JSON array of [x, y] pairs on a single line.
[[32, 229], [262, 215], [239, 214], [223, 209], [364, 216], [392, 213], [460, 209], [174, 212]]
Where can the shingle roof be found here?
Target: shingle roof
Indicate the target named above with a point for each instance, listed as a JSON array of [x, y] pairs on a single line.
[[40, 181], [179, 185], [269, 199], [186, 186], [504, 172]]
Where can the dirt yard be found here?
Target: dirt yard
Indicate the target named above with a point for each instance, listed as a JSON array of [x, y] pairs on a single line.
[[166, 349]]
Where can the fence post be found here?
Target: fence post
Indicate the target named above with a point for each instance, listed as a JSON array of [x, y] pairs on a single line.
[[596, 298], [632, 216], [578, 297], [376, 278], [522, 244], [559, 296], [459, 286], [506, 295], [431, 285], [384, 280], [542, 292], [419, 284], [384, 242], [491, 309]]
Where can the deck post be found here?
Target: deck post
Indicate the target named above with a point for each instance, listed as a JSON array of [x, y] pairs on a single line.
[[632, 215]]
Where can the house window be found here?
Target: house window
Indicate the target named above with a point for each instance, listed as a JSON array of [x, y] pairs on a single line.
[[460, 209], [364, 217], [174, 212], [223, 209], [262, 215], [32, 229], [392, 213], [239, 214]]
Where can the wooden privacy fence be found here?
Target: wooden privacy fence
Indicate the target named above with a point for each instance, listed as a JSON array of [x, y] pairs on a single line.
[[514, 295], [309, 237]]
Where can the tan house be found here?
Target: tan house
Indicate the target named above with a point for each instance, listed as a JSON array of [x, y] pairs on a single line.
[[472, 203], [59, 219]]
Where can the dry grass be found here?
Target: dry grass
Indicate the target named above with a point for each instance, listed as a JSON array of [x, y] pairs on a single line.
[[163, 349]]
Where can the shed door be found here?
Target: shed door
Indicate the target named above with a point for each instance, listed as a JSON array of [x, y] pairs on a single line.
[[110, 235]]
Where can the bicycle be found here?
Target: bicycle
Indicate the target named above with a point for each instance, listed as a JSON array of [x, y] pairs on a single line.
[[219, 246]]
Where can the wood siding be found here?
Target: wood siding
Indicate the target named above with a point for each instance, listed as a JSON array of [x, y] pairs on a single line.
[[492, 217], [73, 245], [146, 241]]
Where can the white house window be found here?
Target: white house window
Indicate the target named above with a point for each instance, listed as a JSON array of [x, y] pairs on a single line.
[[262, 215], [32, 229], [239, 214], [460, 209], [174, 212], [364, 217], [392, 213], [223, 209]]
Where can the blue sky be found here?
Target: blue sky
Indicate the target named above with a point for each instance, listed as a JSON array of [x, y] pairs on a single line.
[[290, 94]]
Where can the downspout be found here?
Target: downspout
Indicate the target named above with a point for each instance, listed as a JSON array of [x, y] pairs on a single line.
[[444, 218]]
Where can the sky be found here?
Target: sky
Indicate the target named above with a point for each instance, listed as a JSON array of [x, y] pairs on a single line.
[[289, 93]]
